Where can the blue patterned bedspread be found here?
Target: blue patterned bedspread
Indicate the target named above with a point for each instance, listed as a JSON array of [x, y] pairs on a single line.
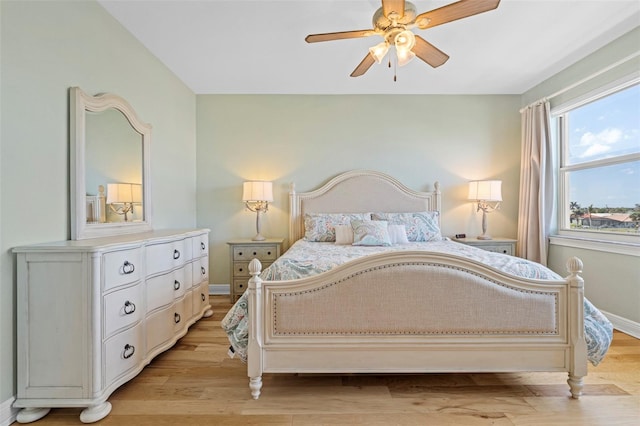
[[309, 258]]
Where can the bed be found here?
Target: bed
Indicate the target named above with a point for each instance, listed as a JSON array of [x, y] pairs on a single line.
[[369, 285]]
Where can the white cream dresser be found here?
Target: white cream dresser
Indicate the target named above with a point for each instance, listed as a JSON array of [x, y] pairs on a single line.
[[92, 313]]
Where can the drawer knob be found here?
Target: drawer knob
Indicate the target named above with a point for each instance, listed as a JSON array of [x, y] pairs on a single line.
[[176, 285], [239, 253], [255, 253], [269, 253], [176, 318], [176, 254], [202, 295], [129, 307], [128, 351], [203, 271], [202, 246], [128, 267]]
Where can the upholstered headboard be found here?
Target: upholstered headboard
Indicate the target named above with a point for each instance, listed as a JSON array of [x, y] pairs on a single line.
[[358, 191]]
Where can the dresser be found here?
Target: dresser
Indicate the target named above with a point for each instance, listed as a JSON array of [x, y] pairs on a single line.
[[244, 251], [498, 245], [93, 313]]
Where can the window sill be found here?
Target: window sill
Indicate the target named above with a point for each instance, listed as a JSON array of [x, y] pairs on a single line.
[[629, 249]]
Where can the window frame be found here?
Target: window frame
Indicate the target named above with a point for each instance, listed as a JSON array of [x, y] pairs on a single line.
[[583, 238]]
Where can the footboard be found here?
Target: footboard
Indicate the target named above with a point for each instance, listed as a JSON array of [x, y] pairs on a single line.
[[406, 312]]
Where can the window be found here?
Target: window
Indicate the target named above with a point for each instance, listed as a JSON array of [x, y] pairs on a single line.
[[599, 164]]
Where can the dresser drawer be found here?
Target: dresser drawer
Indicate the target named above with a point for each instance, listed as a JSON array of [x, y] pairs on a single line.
[[200, 297], [165, 256], [159, 328], [200, 270], [122, 267], [200, 245], [123, 308], [268, 253], [180, 317], [163, 289], [123, 352]]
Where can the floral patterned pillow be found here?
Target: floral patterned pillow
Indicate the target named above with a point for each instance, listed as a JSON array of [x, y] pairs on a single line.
[[370, 233], [320, 227], [420, 226]]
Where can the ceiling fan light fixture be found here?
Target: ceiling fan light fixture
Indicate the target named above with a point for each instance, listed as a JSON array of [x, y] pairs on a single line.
[[404, 57], [379, 51], [405, 40]]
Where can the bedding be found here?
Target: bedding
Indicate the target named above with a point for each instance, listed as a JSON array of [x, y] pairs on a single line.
[[306, 258]]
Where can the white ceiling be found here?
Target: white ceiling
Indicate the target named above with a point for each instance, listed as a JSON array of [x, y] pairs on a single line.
[[258, 47]]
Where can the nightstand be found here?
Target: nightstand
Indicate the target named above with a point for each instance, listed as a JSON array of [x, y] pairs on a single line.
[[498, 245], [244, 251]]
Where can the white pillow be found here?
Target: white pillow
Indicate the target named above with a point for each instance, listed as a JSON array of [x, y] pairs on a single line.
[[398, 234], [344, 234]]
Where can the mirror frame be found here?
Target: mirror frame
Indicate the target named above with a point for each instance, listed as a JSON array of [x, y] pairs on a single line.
[[79, 104]]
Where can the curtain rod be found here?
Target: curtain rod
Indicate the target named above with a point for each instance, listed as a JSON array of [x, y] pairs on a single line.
[[584, 80]]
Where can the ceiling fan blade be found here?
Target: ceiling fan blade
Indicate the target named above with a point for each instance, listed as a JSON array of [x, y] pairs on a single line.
[[454, 11], [429, 53], [363, 66], [314, 38], [389, 6]]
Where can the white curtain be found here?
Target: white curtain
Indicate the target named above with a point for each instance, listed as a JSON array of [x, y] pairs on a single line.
[[537, 188]]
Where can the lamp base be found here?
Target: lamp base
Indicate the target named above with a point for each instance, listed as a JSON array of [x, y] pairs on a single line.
[[258, 237], [485, 237]]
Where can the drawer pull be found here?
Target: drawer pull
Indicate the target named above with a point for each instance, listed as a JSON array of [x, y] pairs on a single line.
[[240, 269], [239, 253], [269, 253], [176, 285], [204, 271], [202, 246], [176, 254], [128, 351], [129, 307], [202, 295], [255, 254], [128, 267], [176, 318]]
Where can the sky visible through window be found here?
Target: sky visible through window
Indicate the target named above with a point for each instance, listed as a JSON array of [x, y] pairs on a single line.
[[606, 128]]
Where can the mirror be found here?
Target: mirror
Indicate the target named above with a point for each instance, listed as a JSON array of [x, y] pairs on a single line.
[[110, 189]]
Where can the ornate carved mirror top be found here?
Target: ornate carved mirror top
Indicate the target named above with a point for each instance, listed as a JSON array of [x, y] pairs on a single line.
[[110, 189]]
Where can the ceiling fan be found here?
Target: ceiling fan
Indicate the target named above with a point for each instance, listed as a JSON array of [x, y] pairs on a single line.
[[393, 22]]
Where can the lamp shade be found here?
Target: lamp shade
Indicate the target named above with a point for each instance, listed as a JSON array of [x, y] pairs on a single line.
[[485, 190], [257, 190], [124, 193]]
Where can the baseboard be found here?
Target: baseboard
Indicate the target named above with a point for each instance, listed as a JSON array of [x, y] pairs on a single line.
[[624, 325], [7, 412], [219, 289]]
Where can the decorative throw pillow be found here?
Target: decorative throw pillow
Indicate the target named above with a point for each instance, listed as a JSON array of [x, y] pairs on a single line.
[[321, 226], [420, 226], [370, 233], [344, 234], [398, 234]]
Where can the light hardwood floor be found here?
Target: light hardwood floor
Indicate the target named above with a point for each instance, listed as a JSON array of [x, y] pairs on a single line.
[[196, 383]]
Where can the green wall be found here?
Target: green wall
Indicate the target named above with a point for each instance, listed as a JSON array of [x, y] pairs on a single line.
[[47, 47], [309, 139]]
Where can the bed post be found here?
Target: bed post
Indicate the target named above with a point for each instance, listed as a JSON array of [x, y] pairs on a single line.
[[578, 354], [254, 346], [294, 215]]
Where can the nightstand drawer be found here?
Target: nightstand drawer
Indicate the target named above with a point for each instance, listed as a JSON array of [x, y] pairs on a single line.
[[499, 248], [255, 252], [496, 245]]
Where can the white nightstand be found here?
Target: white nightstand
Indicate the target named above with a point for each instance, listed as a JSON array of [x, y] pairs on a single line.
[[244, 251], [498, 245]]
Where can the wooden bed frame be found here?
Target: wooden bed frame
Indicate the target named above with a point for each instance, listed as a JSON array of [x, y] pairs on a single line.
[[395, 312]]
